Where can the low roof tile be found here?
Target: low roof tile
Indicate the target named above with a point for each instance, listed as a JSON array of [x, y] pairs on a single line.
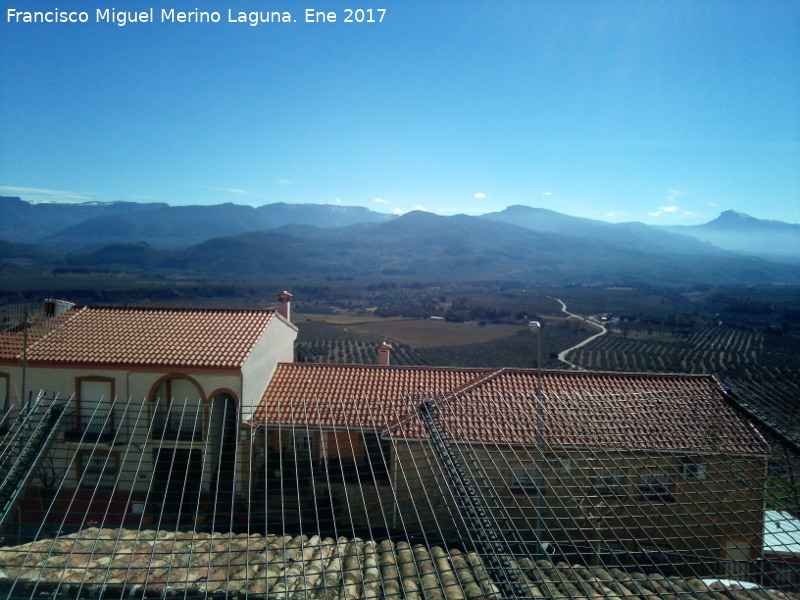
[[164, 563]]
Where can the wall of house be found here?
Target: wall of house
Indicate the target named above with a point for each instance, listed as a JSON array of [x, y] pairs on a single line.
[[276, 345], [124, 458], [127, 384], [713, 516], [782, 571], [12, 383]]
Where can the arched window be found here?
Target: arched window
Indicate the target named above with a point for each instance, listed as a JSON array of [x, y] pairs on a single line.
[[178, 410]]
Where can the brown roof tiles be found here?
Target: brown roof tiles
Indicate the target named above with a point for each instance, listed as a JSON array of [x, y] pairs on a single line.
[[353, 395], [123, 563], [204, 338], [622, 410]]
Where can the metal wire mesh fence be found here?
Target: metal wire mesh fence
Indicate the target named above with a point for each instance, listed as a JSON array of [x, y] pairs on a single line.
[[582, 488]]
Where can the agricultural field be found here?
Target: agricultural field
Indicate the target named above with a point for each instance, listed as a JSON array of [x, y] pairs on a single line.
[[746, 332], [419, 333], [436, 343], [750, 334], [721, 350]]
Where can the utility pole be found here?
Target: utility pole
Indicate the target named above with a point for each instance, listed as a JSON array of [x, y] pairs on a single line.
[[536, 327], [25, 317]]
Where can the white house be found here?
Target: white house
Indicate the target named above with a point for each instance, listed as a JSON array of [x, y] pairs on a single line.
[[164, 388]]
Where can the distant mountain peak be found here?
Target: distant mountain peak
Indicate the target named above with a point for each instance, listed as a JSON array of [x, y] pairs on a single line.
[[734, 216], [734, 219], [740, 232]]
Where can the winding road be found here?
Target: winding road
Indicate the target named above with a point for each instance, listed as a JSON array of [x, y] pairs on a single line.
[[562, 356]]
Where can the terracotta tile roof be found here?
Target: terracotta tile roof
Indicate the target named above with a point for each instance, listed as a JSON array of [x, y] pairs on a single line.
[[130, 563], [141, 337], [627, 411], [367, 396]]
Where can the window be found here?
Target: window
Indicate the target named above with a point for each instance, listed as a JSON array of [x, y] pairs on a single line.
[[657, 486], [784, 573], [735, 562], [609, 482], [694, 470], [525, 478], [4, 391], [178, 411], [94, 417], [5, 422], [177, 479], [97, 471], [378, 452], [300, 444]]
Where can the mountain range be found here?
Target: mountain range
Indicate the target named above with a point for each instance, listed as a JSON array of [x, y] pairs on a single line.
[[519, 243], [64, 227]]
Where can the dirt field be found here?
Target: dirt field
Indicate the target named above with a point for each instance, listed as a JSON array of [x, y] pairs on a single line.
[[421, 333]]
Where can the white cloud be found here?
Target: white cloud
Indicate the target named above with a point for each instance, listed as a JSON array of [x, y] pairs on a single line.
[[284, 182], [547, 194], [663, 210], [45, 195], [380, 201], [671, 210], [400, 211], [240, 192], [480, 195], [237, 191], [672, 194]]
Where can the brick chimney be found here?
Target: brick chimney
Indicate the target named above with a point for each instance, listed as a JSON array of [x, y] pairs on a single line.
[[284, 305], [384, 354]]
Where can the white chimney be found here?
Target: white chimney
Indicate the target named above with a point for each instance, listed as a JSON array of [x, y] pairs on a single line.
[[53, 308], [384, 354], [284, 305]]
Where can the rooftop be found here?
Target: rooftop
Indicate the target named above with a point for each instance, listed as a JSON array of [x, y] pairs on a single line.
[[123, 563], [781, 533], [140, 337], [620, 410]]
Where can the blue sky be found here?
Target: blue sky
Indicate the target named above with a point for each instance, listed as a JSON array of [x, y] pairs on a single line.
[[662, 112]]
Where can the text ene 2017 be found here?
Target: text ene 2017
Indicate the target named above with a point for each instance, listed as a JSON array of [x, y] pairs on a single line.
[[351, 15]]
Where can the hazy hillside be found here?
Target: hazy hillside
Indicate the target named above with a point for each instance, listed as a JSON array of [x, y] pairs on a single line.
[[163, 227], [627, 235], [64, 228], [25, 223], [319, 215], [423, 246], [737, 231], [307, 240], [82, 226], [15, 257]]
